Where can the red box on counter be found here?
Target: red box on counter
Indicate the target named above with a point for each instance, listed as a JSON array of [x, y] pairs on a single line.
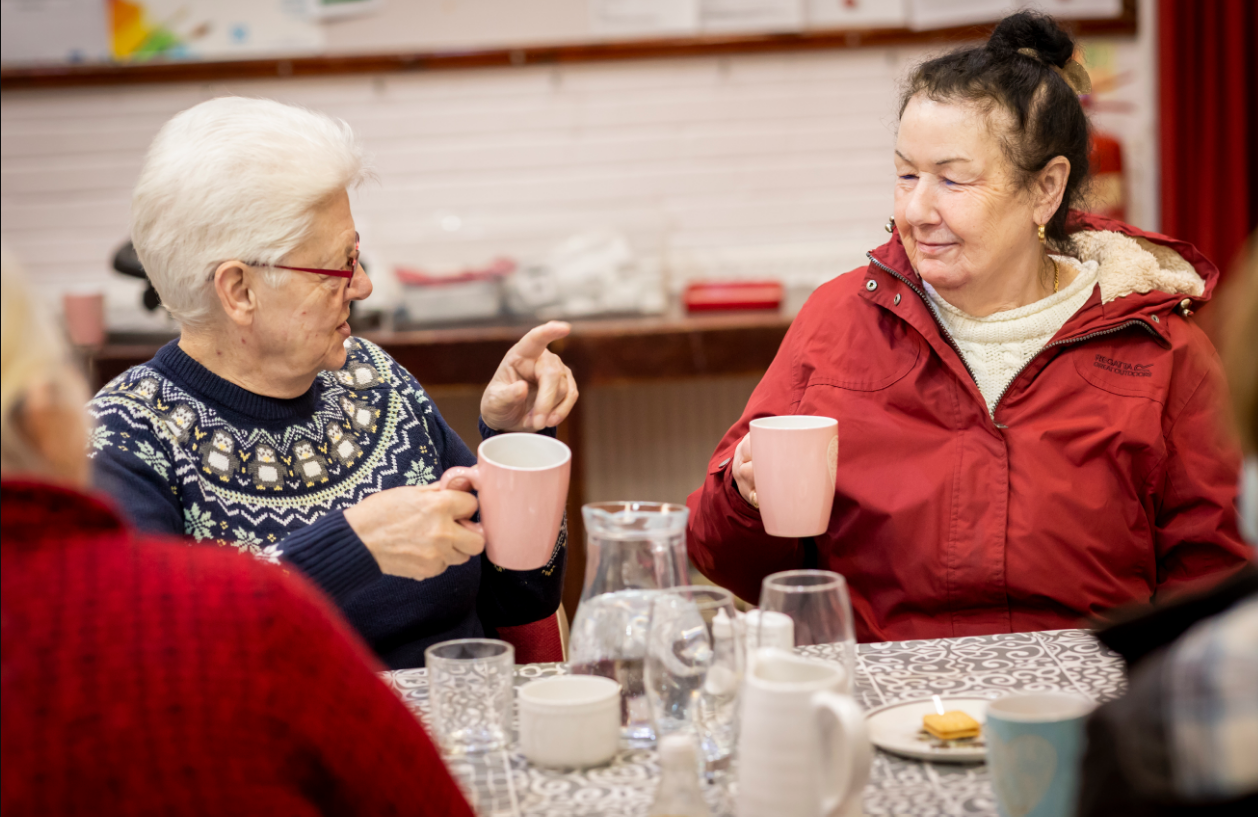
[[712, 296]]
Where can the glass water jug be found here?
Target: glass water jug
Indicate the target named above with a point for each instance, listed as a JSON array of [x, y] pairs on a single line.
[[632, 550]]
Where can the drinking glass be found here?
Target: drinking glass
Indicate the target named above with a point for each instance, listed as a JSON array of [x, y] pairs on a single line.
[[470, 683], [694, 668], [633, 550], [820, 612]]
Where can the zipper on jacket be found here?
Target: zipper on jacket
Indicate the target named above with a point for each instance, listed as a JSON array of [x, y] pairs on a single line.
[[931, 309], [1065, 342], [1062, 342]]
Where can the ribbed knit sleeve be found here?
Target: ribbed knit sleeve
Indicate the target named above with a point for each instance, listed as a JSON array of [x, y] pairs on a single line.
[[332, 555]]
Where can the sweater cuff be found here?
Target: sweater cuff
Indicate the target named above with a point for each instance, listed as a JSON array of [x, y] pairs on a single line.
[[330, 553], [486, 432]]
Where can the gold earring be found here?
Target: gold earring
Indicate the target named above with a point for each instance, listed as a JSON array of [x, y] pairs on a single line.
[[1039, 230]]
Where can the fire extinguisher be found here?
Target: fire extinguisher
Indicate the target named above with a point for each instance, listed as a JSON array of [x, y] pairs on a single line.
[[1108, 193]]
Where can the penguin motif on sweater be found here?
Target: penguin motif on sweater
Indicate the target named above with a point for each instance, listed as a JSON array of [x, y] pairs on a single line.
[[266, 470], [218, 455], [343, 448], [309, 466]]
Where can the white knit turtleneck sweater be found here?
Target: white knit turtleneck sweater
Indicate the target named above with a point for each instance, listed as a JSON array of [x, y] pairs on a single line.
[[998, 346]]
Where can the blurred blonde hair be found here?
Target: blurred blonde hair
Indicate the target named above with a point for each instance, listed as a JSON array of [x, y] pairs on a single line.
[[1240, 345], [32, 353]]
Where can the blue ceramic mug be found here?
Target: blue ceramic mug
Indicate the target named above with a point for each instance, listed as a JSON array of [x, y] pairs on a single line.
[[1034, 745]]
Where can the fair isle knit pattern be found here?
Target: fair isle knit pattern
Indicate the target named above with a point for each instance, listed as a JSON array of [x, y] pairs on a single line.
[[249, 486], [998, 346], [185, 452]]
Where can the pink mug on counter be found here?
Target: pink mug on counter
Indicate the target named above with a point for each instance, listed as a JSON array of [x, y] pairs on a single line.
[[85, 317], [522, 484], [794, 460]]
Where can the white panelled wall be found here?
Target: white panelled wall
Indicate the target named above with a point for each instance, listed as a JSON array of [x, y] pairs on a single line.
[[686, 156]]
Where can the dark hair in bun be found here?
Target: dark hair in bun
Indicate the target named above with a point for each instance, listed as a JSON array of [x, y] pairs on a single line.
[[1047, 119]]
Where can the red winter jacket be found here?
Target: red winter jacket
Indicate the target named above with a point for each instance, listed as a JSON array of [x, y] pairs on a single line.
[[145, 677], [1105, 477]]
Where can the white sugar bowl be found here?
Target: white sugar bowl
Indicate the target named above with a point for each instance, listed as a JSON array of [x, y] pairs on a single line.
[[570, 721]]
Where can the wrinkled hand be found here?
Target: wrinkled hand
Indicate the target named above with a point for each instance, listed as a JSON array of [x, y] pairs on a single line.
[[532, 388], [744, 477], [419, 531]]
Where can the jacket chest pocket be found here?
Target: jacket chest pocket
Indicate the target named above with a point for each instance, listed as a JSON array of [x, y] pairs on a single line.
[[850, 356], [1128, 366]]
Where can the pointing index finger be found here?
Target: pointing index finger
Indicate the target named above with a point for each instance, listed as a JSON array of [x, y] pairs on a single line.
[[538, 338]]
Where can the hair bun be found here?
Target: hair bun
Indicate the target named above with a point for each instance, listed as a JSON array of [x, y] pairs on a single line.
[[1032, 30]]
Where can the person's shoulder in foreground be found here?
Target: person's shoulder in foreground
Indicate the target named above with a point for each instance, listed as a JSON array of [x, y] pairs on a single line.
[[145, 677]]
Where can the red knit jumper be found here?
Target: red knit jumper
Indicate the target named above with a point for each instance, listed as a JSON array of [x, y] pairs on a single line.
[[148, 677]]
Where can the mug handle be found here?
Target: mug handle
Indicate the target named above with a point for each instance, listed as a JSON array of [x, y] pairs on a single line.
[[461, 478], [845, 756]]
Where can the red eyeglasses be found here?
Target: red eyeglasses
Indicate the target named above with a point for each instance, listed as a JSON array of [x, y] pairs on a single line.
[[339, 273]]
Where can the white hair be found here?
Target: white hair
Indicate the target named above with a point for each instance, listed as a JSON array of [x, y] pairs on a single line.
[[233, 179]]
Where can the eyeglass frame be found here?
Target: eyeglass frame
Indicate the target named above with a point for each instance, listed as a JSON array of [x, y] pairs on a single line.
[[339, 273]]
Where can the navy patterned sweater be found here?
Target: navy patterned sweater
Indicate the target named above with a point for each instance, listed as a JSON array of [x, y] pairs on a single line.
[[183, 451]]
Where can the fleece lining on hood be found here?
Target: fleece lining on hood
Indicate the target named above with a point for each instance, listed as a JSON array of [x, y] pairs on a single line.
[[1136, 265]]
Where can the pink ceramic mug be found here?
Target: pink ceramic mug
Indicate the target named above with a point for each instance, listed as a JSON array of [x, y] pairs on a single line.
[[794, 460], [85, 317], [522, 484]]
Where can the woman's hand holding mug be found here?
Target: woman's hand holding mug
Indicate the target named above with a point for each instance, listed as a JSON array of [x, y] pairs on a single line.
[[744, 476], [418, 531], [792, 479]]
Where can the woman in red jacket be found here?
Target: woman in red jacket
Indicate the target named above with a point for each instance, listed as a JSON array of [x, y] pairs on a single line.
[[1028, 421], [141, 678]]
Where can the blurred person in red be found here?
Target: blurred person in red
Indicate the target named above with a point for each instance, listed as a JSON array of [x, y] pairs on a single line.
[[139, 678], [1184, 738]]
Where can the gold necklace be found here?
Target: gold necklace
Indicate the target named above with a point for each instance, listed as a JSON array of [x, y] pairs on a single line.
[[1056, 276]]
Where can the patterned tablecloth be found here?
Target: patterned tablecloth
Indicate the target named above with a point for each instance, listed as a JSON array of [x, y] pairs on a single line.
[[503, 783]]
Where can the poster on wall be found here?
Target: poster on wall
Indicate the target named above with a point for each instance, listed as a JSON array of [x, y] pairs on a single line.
[[856, 13], [142, 30], [751, 16], [928, 14], [644, 18], [53, 31]]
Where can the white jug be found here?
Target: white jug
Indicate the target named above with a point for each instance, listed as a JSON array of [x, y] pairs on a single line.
[[803, 749]]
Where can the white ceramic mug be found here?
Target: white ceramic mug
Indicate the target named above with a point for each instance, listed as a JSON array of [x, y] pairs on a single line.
[[570, 721], [522, 485], [803, 749], [795, 461]]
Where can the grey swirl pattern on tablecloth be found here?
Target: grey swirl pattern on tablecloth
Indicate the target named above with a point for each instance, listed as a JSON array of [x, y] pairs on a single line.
[[503, 783]]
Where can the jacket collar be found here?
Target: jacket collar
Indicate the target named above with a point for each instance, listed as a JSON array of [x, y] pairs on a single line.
[[1143, 275], [34, 513]]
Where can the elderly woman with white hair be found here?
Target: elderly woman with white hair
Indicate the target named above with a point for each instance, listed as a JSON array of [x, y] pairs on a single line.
[[268, 427]]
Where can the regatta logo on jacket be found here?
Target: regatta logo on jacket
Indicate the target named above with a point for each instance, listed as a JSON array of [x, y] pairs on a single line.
[[1119, 367]]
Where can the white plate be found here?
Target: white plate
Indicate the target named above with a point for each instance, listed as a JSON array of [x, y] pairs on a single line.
[[896, 727]]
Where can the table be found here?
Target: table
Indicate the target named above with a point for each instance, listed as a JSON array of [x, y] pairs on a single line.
[[503, 783]]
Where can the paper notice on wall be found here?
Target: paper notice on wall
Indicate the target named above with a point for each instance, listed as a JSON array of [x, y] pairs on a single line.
[[751, 16], [212, 29], [928, 14], [1078, 9], [644, 18], [53, 31], [856, 13]]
